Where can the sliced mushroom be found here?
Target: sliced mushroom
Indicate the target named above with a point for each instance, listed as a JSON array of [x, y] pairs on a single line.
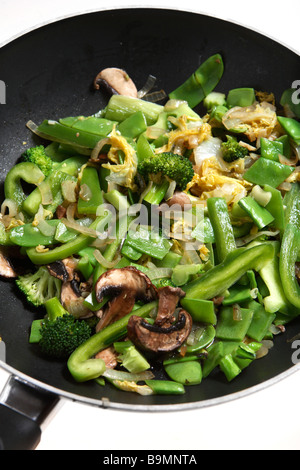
[[116, 81], [168, 300], [6, 268], [109, 356], [72, 300], [157, 339], [181, 199], [167, 333], [63, 269], [124, 286]]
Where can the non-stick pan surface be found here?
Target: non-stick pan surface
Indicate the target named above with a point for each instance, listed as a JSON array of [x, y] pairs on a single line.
[[48, 74]]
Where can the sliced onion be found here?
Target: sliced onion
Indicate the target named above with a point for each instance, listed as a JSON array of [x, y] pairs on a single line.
[[153, 132], [150, 82], [263, 351], [159, 273], [98, 147], [171, 190], [68, 188], [288, 161], [237, 312], [45, 228], [80, 228], [155, 96], [245, 240], [11, 206], [46, 193], [85, 192], [122, 375], [106, 264]]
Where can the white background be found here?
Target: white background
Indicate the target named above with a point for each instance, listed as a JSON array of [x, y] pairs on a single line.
[[265, 420]]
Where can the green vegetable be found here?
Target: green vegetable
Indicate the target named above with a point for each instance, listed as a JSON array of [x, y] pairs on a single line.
[[222, 227], [39, 286], [224, 275], [230, 329], [165, 387], [60, 337], [38, 156], [288, 101], [148, 242], [201, 83], [271, 149], [265, 171], [261, 321], [232, 150], [290, 250], [68, 249], [214, 99], [260, 216], [131, 358], [90, 186], [121, 107], [26, 171], [156, 192], [242, 97], [81, 365], [201, 310], [133, 126], [182, 273], [291, 127], [175, 167], [186, 373], [202, 337]]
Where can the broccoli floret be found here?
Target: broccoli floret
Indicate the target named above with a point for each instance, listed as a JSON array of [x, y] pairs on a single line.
[[60, 337], [39, 286], [175, 167], [232, 150], [38, 156]]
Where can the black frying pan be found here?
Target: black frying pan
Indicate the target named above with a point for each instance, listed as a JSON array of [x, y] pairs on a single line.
[[48, 74]]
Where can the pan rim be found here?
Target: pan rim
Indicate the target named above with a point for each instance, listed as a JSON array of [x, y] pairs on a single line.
[[105, 402], [143, 7]]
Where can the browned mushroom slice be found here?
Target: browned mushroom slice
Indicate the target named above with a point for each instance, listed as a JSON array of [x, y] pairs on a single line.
[[109, 356], [124, 287], [156, 339], [168, 300], [63, 269], [116, 81], [72, 300], [6, 268]]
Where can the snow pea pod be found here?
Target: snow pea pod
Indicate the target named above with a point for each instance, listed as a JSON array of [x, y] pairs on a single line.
[[266, 171], [290, 249], [291, 127], [90, 180], [201, 82]]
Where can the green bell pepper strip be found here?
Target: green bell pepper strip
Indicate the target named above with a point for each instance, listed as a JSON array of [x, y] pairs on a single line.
[[265, 171], [291, 202], [291, 127], [290, 249], [201, 83], [260, 216], [261, 321], [68, 249], [221, 277], [25, 171], [222, 227], [241, 97], [65, 170], [275, 208], [81, 365], [90, 178]]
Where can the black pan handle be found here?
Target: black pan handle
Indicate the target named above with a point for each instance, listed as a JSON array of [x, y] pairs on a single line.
[[23, 410]]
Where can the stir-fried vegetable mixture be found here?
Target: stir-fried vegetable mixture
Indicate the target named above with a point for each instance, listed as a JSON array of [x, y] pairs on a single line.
[[158, 233]]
